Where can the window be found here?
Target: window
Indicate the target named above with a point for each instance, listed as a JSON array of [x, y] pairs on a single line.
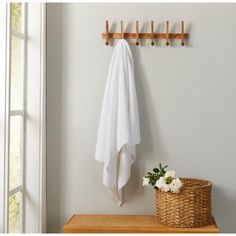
[[22, 117], [17, 119]]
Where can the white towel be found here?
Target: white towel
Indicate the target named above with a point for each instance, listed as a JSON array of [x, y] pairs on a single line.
[[119, 129]]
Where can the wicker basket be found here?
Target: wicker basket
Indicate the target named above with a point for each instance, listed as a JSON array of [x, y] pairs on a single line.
[[190, 208]]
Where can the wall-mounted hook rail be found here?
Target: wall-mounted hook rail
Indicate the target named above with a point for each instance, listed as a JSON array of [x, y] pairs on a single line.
[[152, 35]]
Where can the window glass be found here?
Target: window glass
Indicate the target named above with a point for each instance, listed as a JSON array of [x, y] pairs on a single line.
[[14, 213], [15, 151], [16, 16], [16, 75]]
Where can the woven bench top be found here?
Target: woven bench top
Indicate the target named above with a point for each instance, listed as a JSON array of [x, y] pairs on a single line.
[[127, 224]]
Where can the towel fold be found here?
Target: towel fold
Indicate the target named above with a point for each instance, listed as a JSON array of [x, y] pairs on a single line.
[[119, 129]]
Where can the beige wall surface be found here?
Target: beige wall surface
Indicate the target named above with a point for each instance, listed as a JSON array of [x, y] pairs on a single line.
[[186, 99]]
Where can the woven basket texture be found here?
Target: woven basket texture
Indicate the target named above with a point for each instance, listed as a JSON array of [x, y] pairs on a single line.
[[190, 208]]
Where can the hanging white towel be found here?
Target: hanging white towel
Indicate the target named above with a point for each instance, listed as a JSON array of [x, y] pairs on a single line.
[[119, 129]]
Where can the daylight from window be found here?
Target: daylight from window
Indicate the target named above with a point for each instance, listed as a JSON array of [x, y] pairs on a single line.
[[16, 121]]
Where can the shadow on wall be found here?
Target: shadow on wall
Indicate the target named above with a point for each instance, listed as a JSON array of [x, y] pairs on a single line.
[[54, 55], [223, 204], [149, 136]]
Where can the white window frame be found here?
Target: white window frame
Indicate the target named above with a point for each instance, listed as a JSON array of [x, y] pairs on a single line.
[[33, 186]]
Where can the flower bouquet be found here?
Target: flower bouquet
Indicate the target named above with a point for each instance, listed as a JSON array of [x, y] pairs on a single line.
[[164, 180]]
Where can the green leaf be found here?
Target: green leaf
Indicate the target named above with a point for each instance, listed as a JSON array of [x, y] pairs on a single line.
[[156, 170]]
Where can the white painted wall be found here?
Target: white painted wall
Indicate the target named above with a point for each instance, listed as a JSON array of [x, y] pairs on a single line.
[[186, 100]]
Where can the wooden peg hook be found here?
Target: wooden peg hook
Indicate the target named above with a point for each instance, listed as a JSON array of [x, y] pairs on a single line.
[[167, 33], [137, 33], [152, 32], [107, 33], [122, 29], [182, 32]]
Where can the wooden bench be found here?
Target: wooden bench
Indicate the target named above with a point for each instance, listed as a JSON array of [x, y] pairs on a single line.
[[127, 224]]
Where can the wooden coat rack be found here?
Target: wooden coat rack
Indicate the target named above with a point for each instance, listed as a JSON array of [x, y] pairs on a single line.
[[153, 36]]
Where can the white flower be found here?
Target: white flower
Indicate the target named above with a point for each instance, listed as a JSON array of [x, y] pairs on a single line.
[[179, 182], [170, 173], [161, 184], [146, 181], [165, 188], [176, 185]]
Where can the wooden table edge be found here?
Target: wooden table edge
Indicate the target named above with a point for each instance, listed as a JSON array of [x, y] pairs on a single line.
[[124, 229], [134, 230]]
